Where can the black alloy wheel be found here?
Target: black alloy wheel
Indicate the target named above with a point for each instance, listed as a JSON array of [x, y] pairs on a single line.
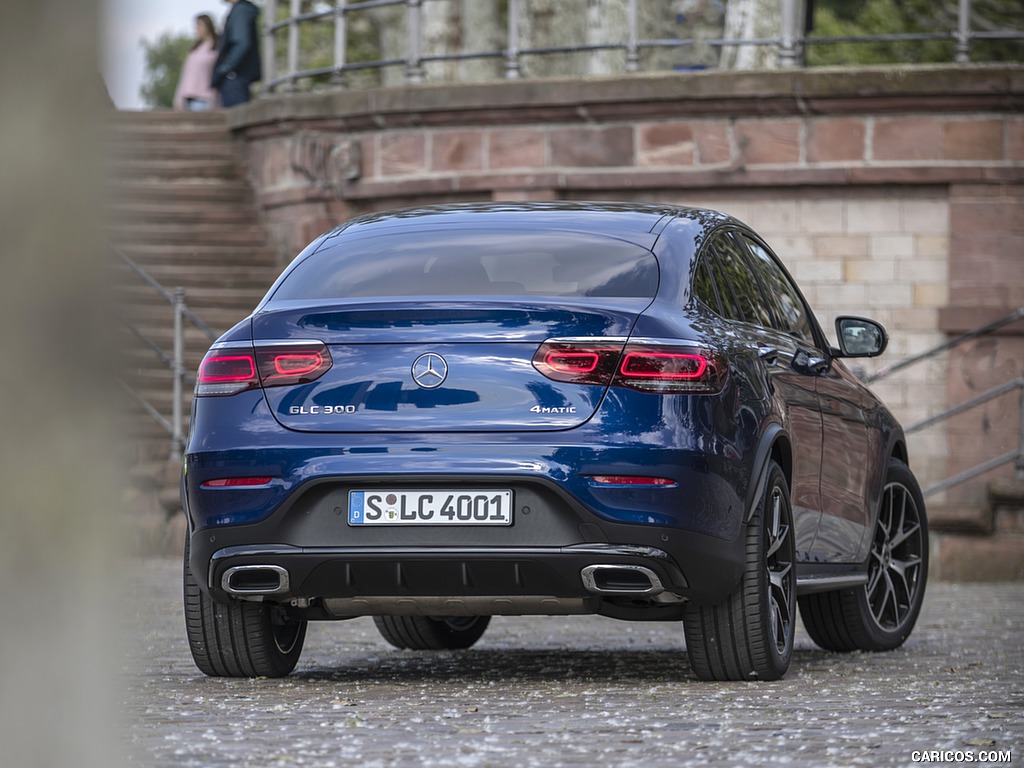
[[426, 633], [880, 615]]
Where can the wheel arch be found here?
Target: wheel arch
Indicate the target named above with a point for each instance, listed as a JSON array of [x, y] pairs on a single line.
[[898, 450], [774, 445]]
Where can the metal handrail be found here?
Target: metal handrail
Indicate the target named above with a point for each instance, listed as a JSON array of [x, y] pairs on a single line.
[[790, 42], [166, 294], [175, 362], [984, 330], [1016, 456]]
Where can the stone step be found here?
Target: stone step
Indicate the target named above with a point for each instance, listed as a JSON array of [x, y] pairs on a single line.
[[179, 205], [184, 148], [222, 213], [123, 235], [190, 190], [157, 313], [149, 255], [169, 134], [221, 168], [197, 298], [255, 278], [166, 119]]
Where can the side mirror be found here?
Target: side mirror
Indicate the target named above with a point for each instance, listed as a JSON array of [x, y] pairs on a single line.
[[860, 337]]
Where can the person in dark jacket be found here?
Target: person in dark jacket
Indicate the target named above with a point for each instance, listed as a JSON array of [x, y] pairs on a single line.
[[238, 62]]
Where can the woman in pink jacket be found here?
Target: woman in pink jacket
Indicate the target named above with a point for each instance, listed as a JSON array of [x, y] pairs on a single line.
[[194, 91]]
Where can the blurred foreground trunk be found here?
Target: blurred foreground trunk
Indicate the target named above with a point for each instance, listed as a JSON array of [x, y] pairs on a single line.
[[58, 659]]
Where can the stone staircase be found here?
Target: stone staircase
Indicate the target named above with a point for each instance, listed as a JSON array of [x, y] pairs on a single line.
[[180, 206]]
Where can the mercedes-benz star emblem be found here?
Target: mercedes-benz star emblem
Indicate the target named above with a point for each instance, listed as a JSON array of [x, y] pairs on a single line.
[[429, 370]]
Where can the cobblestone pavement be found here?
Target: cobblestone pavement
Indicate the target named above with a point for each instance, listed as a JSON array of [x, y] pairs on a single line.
[[578, 691]]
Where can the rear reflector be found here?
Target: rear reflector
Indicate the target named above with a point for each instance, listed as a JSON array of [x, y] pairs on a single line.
[[631, 480], [228, 371], [237, 482], [649, 366]]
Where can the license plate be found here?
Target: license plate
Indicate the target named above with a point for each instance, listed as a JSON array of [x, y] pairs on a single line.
[[462, 507]]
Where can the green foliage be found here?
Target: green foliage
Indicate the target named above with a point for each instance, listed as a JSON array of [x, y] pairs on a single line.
[[848, 18], [164, 58]]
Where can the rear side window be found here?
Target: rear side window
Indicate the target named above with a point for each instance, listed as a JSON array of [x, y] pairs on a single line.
[[736, 281], [474, 263], [704, 289], [781, 294]]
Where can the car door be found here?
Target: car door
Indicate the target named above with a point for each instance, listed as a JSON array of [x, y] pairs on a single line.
[[785, 362], [841, 399]]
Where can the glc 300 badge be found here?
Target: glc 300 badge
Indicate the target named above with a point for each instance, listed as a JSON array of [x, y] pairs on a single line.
[[429, 370]]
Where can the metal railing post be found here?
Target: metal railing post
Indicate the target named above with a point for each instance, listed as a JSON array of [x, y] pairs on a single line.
[[178, 371], [293, 44], [632, 48], [414, 61], [787, 46], [512, 71], [1019, 465], [340, 43], [269, 48], [963, 33]]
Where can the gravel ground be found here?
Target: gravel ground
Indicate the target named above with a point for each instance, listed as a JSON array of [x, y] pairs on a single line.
[[578, 691]]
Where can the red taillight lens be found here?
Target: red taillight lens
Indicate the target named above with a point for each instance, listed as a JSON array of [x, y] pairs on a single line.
[[228, 371], [285, 365], [650, 366], [294, 364], [572, 362], [237, 482], [668, 368], [589, 363]]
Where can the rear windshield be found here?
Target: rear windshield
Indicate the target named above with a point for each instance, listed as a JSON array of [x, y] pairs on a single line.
[[474, 263]]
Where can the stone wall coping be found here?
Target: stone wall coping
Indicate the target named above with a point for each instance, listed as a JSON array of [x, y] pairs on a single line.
[[825, 90]]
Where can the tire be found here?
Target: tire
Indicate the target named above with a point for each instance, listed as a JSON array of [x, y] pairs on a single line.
[[422, 633], [749, 635], [241, 639], [880, 615]]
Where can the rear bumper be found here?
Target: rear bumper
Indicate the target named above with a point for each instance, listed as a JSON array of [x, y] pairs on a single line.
[[523, 579], [687, 534]]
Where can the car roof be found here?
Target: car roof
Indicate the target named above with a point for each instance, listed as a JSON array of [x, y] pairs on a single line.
[[603, 218]]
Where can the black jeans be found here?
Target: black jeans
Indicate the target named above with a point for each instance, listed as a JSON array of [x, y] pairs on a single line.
[[234, 90]]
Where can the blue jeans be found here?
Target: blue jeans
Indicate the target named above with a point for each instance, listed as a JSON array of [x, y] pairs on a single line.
[[234, 90]]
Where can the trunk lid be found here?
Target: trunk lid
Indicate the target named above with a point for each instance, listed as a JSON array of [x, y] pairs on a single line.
[[473, 361]]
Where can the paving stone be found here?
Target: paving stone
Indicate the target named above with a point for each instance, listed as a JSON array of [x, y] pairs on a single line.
[[579, 691]]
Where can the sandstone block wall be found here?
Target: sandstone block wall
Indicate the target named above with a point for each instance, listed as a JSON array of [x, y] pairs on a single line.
[[894, 193]]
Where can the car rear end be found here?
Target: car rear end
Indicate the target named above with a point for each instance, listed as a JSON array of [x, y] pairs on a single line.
[[456, 419]]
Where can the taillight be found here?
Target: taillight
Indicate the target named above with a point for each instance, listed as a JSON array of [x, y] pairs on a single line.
[[281, 366], [226, 372], [587, 362], [649, 366], [230, 370]]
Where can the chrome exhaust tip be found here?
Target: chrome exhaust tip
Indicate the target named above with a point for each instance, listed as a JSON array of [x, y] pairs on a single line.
[[248, 580], [621, 580]]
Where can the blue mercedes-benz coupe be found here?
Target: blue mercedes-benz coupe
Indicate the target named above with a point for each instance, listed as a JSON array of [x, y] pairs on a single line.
[[442, 414]]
